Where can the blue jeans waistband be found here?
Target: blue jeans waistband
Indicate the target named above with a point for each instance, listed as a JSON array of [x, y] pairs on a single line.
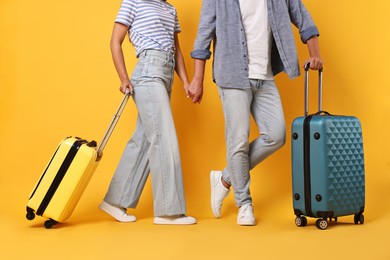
[[162, 54]]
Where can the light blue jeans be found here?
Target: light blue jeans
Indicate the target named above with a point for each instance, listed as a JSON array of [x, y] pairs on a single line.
[[153, 146], [262, 100]]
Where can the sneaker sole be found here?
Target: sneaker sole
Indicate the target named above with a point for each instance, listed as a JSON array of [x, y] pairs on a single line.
[[106, 209], [246, 223], [172, 222]]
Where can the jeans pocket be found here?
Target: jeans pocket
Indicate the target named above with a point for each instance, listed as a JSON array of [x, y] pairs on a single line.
[[153, 69], [157, 60]]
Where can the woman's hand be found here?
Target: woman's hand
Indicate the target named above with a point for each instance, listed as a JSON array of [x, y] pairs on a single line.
[[126, 84]]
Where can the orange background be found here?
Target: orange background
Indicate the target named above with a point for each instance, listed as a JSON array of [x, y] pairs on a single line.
[[57, 79]]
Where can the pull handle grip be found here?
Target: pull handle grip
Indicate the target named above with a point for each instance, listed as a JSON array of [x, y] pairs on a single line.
[[307, 67]]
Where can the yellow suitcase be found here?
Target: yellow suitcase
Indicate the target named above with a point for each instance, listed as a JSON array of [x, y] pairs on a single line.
[[66, 176]]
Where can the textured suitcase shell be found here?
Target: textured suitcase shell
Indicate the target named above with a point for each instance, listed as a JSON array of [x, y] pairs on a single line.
[[336, 185]]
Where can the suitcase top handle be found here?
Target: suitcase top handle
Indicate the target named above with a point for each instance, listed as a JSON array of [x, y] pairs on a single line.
[[307, 66]]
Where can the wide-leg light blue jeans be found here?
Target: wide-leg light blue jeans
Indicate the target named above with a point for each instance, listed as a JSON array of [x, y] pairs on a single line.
[[153, 146], [262, 101]]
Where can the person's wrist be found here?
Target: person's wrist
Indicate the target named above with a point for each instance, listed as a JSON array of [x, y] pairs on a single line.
[[186, 82]]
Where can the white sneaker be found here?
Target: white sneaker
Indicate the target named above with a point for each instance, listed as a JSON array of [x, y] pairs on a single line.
[[118, 213], [245, 216], [218, 192], [174, 220]]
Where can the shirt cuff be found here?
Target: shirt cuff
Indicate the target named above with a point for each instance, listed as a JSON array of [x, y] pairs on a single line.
[[308, 33], [123, 21], [201, 54]]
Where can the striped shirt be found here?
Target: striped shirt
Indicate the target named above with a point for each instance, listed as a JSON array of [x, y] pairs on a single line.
[[152, 24]]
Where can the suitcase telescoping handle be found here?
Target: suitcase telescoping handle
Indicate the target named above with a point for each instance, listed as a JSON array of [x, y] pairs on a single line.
[[113, 123], [307, 66]]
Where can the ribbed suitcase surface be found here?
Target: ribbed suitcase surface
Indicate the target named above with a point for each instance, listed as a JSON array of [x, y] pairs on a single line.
[[345, 165]]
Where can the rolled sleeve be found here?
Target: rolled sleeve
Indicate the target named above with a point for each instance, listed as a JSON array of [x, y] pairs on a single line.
[[206, 30], [308, 33], [201, 54], [302, 19]]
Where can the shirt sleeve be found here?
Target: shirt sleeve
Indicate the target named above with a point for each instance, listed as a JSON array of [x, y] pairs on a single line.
[[206, 31], [302, 19], [177, 24], [126, 13]]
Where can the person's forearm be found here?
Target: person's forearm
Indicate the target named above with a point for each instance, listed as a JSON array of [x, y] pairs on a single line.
[[313, 46], [315, 59], [199, 68], [180, 67], [195, 91], [119, 61]]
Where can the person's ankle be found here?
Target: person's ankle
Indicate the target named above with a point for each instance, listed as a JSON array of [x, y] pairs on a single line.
[[225, 184]]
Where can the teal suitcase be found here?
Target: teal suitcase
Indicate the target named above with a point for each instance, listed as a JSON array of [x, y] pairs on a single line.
[[327, 166]]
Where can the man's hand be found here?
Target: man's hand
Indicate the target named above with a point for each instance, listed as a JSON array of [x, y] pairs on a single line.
[[315, 63], [314, 52], [195, 91]]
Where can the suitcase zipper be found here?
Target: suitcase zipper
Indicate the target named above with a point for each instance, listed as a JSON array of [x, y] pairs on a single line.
[[59, 176]]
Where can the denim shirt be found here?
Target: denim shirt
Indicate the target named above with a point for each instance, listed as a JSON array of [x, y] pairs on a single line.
[[220, 22]]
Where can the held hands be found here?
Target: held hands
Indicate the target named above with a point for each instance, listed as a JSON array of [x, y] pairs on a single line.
[[194, 91]]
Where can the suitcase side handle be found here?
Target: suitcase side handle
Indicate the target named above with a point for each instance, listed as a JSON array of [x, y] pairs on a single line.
[[113, 123], [307, 66]]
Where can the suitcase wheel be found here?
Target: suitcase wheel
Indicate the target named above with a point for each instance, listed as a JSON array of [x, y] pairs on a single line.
[[322, 224], [30, 214], [300, 221], [50, 223], [359, 218]]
